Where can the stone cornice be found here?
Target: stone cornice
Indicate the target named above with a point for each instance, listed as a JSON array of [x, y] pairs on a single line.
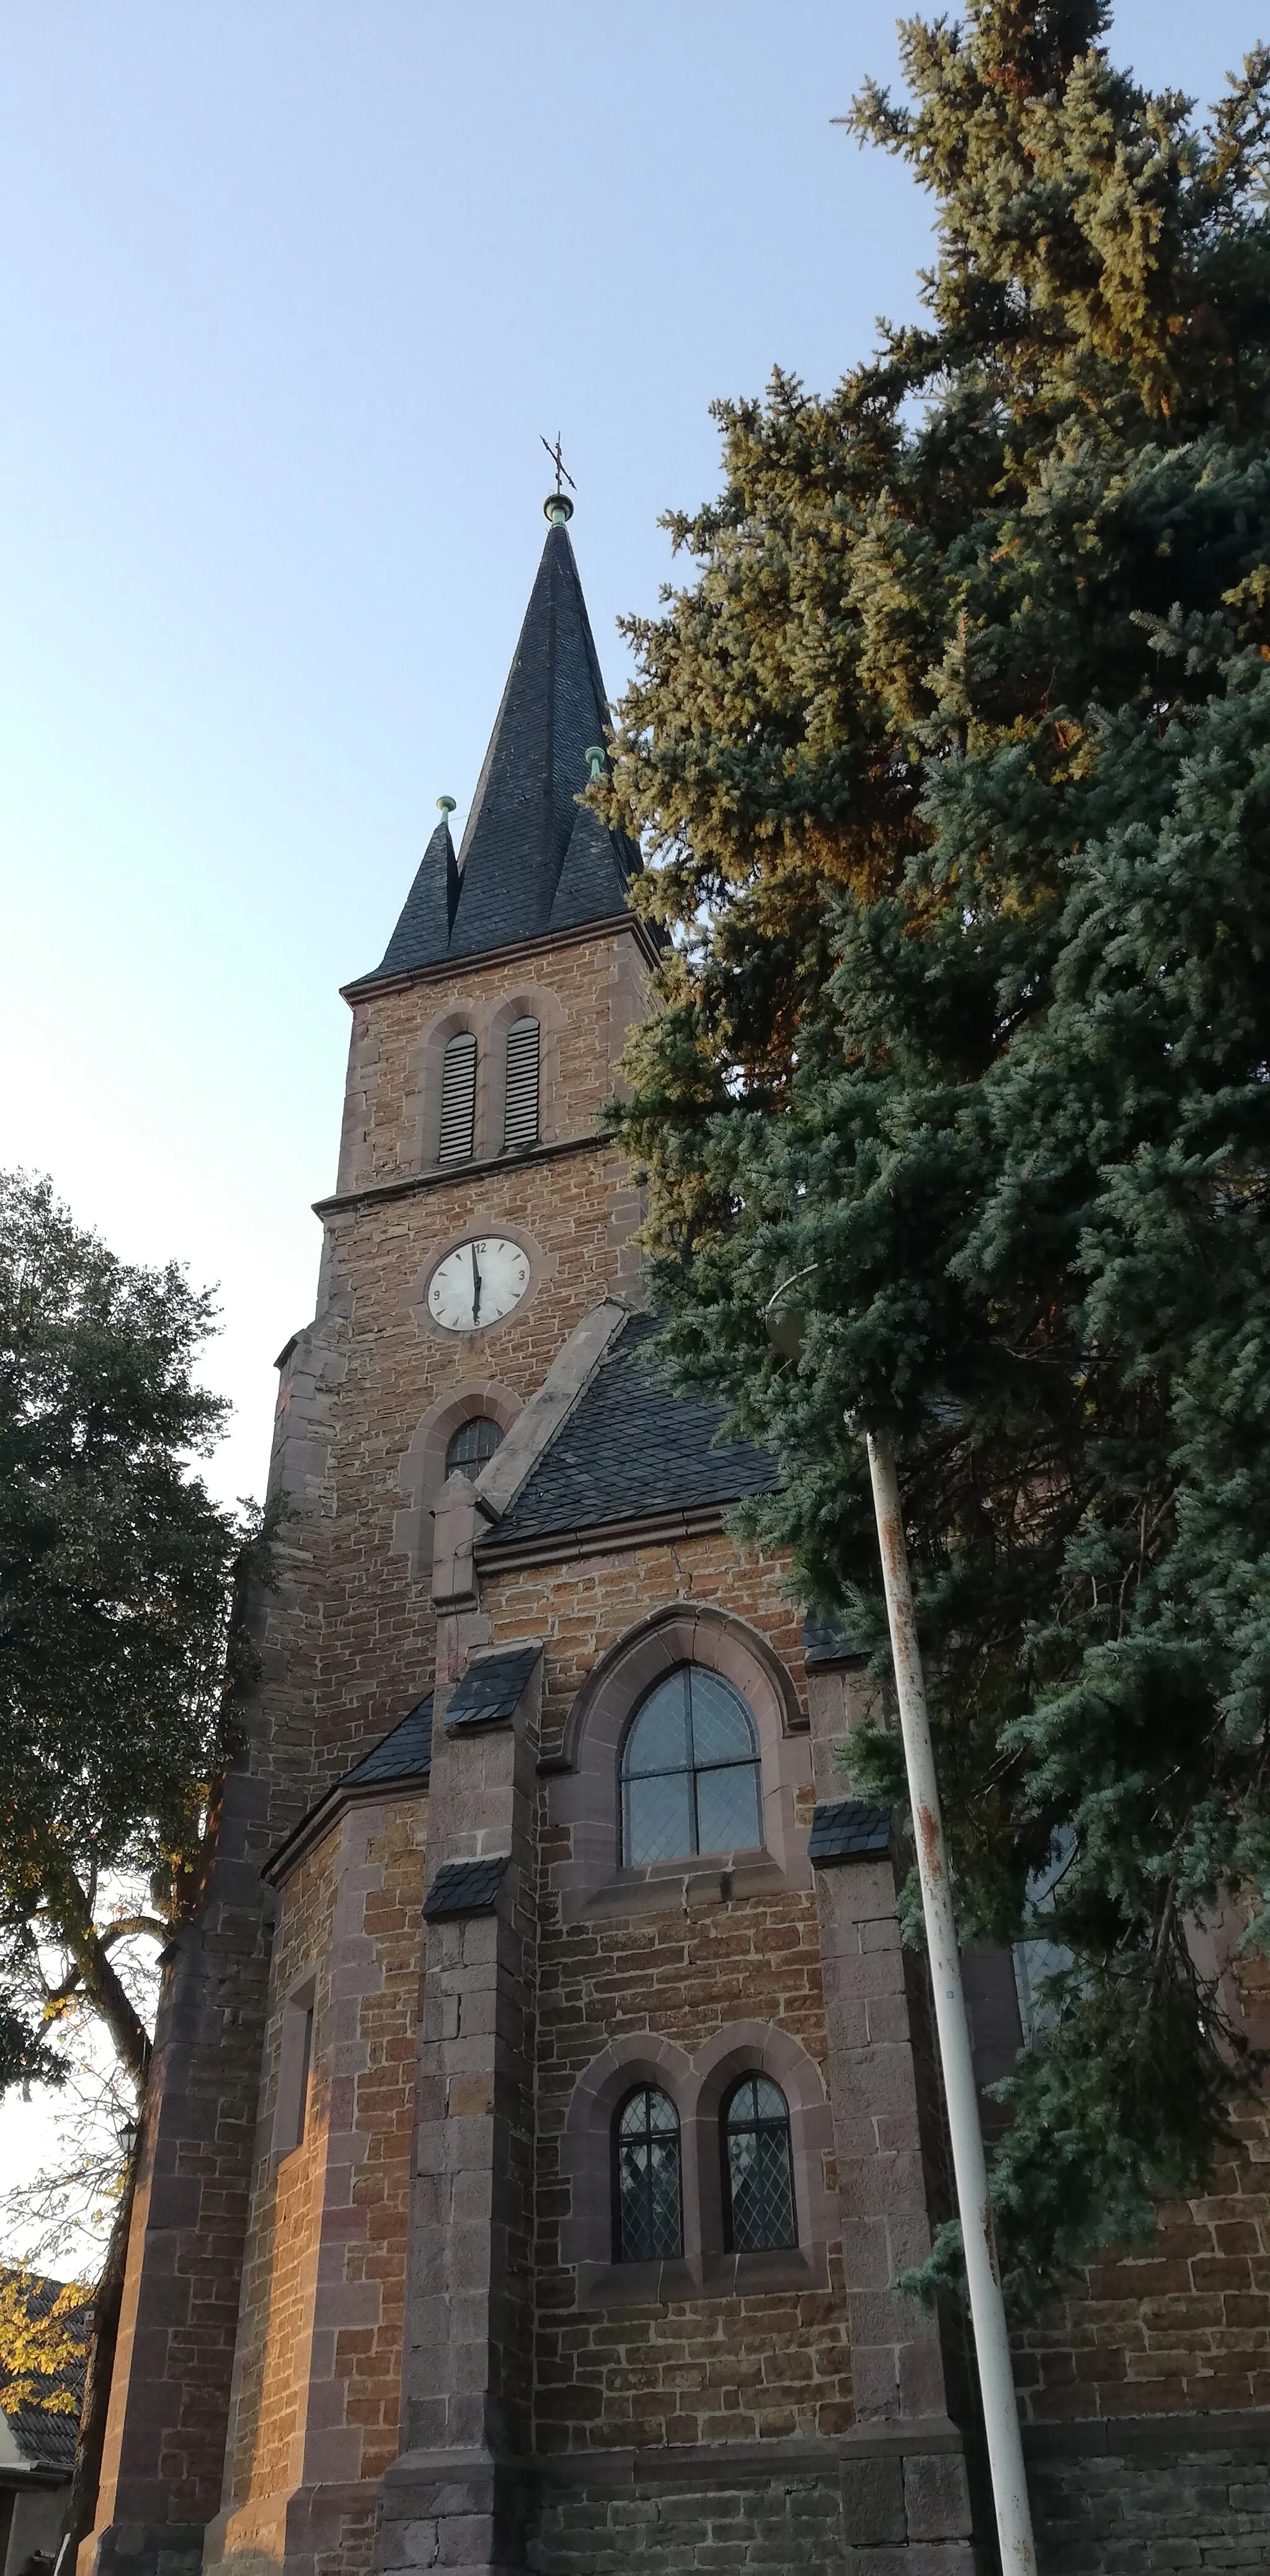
[[383, 1191], [364, 987], [603, 1538]]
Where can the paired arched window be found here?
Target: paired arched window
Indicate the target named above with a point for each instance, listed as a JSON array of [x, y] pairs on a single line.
[[458, 1099], [758, 2173], [473, 1445], [457, 1138], [690, 1771], [520, 1098]]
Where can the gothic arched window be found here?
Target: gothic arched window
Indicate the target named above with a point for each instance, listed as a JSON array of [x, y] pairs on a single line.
[[647, 2193], [458, 1099], [473, 1445], [758, 2173], [520, 1100], [690, 1771]]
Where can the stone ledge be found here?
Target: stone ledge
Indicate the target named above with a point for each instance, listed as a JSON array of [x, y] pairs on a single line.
[[690, 2463], [1164, 2437]]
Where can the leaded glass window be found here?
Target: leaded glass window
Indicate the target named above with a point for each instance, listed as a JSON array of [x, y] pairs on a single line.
[[690, 1771], [758, 2169], [648, 2196], [473, 1445]]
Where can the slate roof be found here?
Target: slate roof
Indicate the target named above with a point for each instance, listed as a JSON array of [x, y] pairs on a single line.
[[490, 1688], [403, 1754], [850, 1829], [532, 859], [465, 1887], [830, 1638], [631, 1447]]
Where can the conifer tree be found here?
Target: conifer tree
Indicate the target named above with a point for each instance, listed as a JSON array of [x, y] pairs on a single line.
[[952, 761]]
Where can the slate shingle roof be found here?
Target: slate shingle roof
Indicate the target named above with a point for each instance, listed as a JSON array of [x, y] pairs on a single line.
[[830, 1638], [465, 1887], [850, 1829], [491, 1687], [532, 860], [403, 1754], [631, 1447]]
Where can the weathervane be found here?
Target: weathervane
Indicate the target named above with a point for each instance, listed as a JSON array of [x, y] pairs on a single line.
[[558, 507]]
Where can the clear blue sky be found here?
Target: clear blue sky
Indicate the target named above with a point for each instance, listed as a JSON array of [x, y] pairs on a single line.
[[290, 289]]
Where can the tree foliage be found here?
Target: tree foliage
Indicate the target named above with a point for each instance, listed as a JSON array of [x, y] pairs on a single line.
[[117, 1572], [44, 2330], [952, 761]]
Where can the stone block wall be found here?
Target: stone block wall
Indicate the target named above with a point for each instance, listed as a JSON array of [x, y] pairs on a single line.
[[314, 2414], [1178, 2325], [1160, 2498]]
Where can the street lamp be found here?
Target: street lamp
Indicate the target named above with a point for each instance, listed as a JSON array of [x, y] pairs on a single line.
[[974, 2208]]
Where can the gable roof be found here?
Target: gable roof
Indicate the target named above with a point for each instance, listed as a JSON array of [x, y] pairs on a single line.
[[631, 1447], [532, 859]]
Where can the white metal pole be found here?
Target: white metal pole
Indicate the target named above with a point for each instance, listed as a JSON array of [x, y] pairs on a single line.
[[987, 2307]]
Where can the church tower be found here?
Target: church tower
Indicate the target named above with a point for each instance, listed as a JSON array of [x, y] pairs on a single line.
[[538, 2121]]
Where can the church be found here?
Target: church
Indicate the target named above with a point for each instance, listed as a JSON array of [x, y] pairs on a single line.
[[544, 2106]]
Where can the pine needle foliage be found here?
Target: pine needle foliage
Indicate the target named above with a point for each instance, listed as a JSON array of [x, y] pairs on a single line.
[[952, 762]]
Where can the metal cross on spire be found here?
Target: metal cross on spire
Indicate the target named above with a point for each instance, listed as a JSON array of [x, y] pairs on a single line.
[[562, 470]]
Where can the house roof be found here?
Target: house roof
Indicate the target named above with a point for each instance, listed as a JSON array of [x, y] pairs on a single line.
[[533, 860], [46, 2440], [631, 1447]]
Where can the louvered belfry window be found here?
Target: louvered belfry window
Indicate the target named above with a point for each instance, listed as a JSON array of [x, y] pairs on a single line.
[[458, 1099], [520, 1112]]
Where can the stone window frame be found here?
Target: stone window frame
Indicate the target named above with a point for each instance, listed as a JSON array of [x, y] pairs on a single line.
[[585, 1792], [698, 2086], [421, 1470], [528, 1003], [453, 1022], [297, 2036], [488, 1021]]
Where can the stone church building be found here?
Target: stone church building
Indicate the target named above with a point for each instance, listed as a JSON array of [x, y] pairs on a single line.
[[544, 2106]]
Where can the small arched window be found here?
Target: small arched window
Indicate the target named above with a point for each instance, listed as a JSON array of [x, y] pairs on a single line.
[[458, 1099], [758, 2173], [690, 1771], [473, 1445], [647, 2191], [520, 1101]]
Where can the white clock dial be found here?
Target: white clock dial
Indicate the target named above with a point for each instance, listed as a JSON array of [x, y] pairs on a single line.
[[478, 1283]]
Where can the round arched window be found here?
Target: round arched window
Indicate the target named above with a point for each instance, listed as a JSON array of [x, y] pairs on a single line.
[[647, 2192], [690, 1771], [472, 1445], [757, 2167]]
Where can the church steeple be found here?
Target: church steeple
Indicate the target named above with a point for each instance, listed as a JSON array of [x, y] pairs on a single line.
[[532, 859]]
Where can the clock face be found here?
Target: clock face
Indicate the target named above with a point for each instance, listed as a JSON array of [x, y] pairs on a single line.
[[477, 1284]]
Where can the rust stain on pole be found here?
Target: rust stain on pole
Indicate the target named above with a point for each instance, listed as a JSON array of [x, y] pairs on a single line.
[[928, 1828]]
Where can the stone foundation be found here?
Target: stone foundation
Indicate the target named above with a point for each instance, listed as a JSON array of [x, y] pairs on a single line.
[[869, 2506], [1152, 2497]]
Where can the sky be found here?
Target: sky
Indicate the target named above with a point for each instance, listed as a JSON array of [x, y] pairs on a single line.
[[291, 290]]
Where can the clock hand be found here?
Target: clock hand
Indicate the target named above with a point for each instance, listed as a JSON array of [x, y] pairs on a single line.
[[476, 1287]]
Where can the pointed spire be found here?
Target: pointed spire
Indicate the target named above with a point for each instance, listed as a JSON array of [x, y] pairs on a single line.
[[532, 860], [428, 913]]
